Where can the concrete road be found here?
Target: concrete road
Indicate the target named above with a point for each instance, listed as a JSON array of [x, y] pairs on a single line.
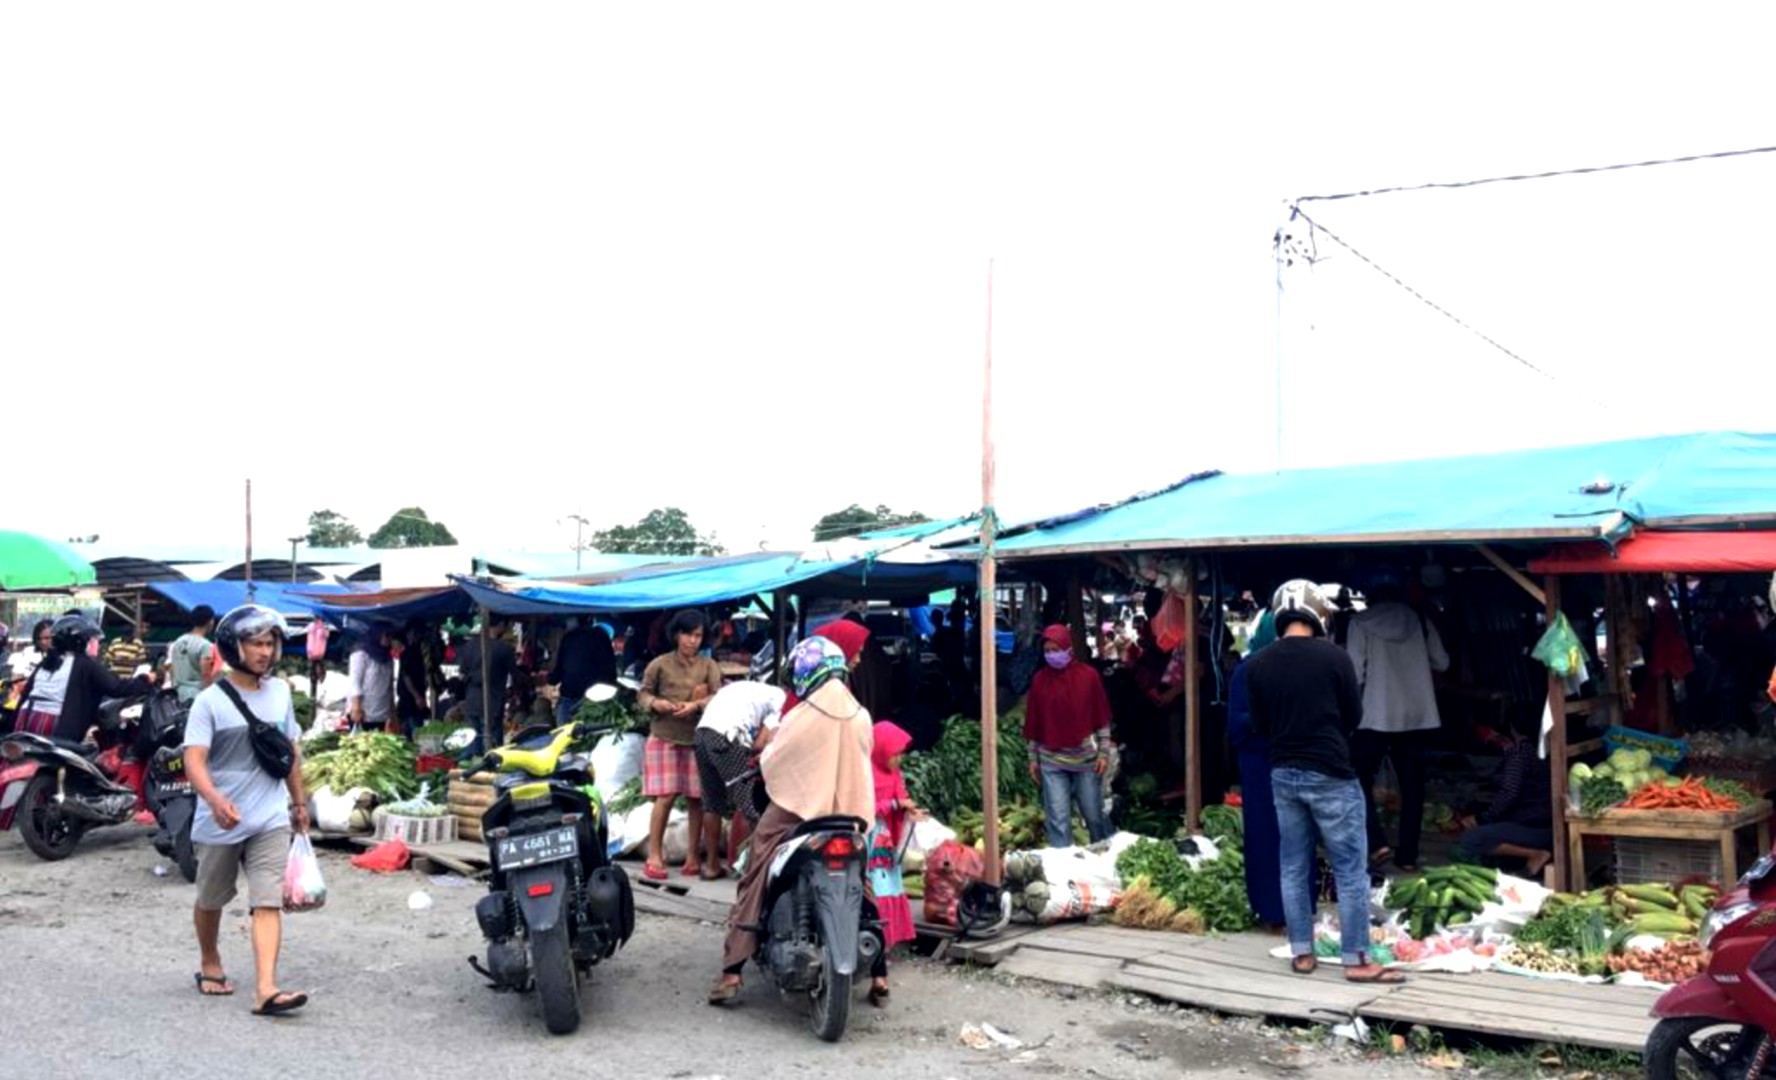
[[97, 958]]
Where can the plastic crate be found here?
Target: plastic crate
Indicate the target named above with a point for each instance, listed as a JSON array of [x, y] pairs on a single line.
[[418, 831], [1645, 861], [1668, 754]]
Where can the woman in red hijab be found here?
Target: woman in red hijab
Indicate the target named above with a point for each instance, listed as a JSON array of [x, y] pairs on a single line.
[[895, 814], [1067, 724]]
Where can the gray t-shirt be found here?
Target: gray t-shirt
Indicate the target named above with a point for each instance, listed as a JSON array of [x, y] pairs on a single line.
[[214, 723]]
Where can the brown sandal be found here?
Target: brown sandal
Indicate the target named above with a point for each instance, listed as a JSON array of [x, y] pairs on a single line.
[[1380, 977], [1304, 965], [723, 991]]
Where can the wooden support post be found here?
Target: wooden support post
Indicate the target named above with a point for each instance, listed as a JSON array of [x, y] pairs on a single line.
[[1193, 749], [1076, 614], [490, 723], [1513, 573], [780, 617], [987, 619], [1567, 875]]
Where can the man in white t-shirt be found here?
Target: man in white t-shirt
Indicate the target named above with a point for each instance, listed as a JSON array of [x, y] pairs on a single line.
[[736, 726]]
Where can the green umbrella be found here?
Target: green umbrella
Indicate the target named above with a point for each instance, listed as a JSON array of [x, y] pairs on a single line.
[[33, 562]]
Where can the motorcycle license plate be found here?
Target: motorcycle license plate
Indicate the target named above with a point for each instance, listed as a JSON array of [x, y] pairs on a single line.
[[169, 788], [534, 849]]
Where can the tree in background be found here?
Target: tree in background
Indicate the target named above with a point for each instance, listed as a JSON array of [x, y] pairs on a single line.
[[411, 528], [327, 529], [666, 531], [855, 519]]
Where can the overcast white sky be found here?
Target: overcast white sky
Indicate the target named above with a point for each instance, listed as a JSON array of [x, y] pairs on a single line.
[[512, 262]]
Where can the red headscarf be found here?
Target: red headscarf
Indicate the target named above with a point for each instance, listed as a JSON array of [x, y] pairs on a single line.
[[1065, 707], [850, 637], [890, 739]]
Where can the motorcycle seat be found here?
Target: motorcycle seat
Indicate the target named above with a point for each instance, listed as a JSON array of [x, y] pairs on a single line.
[[834, 823]]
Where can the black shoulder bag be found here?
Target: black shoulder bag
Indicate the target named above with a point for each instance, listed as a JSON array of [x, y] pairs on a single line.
[[270, 746]]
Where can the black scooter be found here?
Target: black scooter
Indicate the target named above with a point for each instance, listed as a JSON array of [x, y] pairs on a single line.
[[820, 937], [167, 788], [59, 789], [555, 905]]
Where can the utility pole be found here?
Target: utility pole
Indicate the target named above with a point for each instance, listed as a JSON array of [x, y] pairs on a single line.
[[294, 540], [580, 524]]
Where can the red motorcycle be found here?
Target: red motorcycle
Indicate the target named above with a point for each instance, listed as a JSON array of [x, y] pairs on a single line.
[[57, 790], [1721, 1025]]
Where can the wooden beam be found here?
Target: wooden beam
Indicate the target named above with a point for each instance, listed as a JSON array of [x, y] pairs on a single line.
[[1514, 574], [1564, 872], [1193, 749]]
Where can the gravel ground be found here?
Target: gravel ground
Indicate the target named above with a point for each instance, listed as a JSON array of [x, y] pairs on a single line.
[[98, 954]]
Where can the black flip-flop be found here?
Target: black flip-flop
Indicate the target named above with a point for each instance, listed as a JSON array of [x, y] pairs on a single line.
[[280, 1003], [1311, 965], [878, 996], [203, 980]]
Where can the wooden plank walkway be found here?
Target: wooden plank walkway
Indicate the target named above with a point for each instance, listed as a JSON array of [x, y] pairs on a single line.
[[1236, 974]]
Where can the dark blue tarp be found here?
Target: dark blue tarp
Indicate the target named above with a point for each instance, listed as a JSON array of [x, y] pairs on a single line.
[[396, 607], [1593, 491]]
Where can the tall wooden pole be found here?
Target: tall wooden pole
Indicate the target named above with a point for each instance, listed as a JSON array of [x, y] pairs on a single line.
[[1563, 870], [489, 723], [1193, 750], [987, 616]]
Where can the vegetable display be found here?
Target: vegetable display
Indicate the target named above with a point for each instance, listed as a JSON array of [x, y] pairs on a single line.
[[1540, 959], [379, 761], [1215, 889], [947, 777], [1672, 963], [1443, 896], [1599, 794], [1225, 825], [1690, 794]]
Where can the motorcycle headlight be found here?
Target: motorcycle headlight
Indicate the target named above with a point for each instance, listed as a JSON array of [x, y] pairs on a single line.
[[11, 751], [1721, 918]]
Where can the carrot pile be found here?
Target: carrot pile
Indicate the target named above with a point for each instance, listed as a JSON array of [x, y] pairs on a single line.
[[1692, 794]]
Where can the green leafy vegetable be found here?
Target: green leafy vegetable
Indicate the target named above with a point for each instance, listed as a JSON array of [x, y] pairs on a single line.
[[1216, 889], [947, 777]]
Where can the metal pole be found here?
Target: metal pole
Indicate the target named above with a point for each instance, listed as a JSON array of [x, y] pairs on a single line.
[[986, 617], [249, 538], [293, 542]]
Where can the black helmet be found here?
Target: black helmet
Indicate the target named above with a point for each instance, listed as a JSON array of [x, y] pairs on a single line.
[[248, 621], [71, 632]]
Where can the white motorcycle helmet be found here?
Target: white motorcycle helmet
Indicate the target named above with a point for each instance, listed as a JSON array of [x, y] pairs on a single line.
[[1303, 601]]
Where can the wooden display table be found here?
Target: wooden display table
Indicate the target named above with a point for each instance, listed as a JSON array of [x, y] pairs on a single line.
[[1713, 826]]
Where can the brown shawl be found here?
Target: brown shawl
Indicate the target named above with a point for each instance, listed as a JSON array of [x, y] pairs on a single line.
[[819, 762]]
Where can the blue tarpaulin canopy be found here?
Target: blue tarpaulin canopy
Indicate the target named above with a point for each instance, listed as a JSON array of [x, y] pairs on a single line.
[[224, 596], [1594, 491], [719, 580], [391, 607]]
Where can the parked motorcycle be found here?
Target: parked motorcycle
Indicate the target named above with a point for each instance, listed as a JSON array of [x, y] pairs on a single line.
[[1722, 1023], [168, 790], [57, 790], [555, 905], [818, 937]]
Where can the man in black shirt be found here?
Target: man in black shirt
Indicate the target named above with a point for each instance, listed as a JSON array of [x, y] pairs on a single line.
[[583, 658], [1306, 702], [488, 697]]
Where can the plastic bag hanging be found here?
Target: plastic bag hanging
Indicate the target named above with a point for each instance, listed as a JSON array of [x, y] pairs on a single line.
[[304, 888], [1560, 648]]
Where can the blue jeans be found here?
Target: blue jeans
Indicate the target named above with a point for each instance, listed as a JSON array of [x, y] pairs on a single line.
[[1061, 792], [1308, 803], [564, 711]]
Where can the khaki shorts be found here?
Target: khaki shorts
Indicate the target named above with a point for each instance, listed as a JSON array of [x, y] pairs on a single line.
[[263, 856]]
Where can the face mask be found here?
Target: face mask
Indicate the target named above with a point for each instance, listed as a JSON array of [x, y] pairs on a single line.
[[1058, 660]]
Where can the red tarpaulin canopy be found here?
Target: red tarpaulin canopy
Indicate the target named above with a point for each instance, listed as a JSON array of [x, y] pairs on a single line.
[[1658, 552]]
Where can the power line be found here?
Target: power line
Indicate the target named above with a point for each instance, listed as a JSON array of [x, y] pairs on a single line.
[[1422, 298], [1584, 171]]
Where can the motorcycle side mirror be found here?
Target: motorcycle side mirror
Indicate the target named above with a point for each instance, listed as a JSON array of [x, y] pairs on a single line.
[[599, 693], [459, 739]]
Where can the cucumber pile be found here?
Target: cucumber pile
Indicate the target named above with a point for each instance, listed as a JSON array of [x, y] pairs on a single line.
[[1442, 896]]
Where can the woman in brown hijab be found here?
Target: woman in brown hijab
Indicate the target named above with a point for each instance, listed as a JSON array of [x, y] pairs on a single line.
[[818, 765]]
